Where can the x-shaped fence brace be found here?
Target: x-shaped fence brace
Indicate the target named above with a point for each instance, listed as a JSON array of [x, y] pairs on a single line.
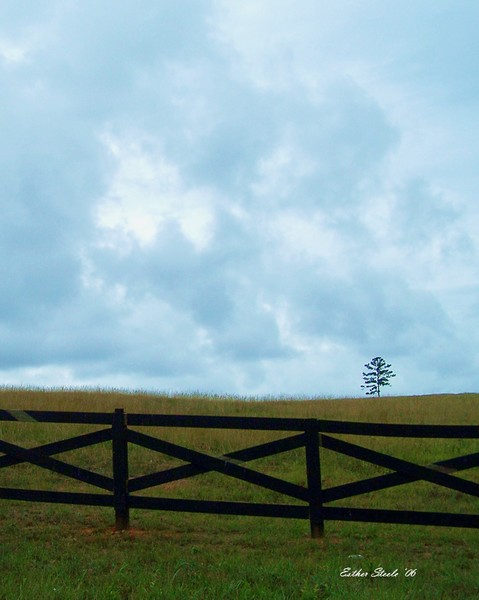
[[231, 464]]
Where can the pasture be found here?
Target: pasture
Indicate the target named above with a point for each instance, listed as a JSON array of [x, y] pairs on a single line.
[[62, 551]]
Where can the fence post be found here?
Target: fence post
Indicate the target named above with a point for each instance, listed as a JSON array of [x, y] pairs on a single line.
[[120, 470], [313, 470]]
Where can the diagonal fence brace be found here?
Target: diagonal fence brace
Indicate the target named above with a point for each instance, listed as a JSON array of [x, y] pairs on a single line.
[[244, 455], [75, 443], [389, 480], [400, 465], [40, 460], [226, 467]]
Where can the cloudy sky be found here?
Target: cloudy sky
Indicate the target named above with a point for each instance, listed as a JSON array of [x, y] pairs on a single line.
[[239, 196]]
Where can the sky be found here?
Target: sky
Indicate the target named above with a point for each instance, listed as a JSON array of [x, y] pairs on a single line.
[[246, 197]]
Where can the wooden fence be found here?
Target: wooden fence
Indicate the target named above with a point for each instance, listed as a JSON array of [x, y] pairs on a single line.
[[310, 434]]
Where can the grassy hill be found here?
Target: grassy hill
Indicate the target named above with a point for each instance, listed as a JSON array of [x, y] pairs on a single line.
[[60, 551]]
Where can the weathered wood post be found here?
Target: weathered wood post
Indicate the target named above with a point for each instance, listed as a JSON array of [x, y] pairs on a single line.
[[313, 470], [120, 470]]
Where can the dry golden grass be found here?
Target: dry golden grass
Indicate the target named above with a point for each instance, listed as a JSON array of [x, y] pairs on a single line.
[[432, 409]]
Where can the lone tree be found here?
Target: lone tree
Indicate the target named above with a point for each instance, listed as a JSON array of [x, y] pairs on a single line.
[[378, 375]]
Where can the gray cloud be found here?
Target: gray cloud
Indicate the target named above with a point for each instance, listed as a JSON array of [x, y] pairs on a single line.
[[201, 196]]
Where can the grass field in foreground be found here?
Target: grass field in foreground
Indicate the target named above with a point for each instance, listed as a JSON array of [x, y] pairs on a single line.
[[69, 552]]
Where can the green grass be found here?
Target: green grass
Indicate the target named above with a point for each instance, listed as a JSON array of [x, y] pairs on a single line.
[[69, 552]]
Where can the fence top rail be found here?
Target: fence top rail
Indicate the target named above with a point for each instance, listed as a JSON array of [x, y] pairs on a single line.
[[298, 424], [160, 420], [55, 416], [251, 423], [221, 422], [399, 429]]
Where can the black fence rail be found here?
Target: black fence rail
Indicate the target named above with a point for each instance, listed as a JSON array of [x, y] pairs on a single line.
[[310, 434]]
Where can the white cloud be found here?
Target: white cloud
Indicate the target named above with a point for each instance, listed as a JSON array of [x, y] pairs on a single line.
[[12, 53], [44, 376], [281, 171], [146, 194]]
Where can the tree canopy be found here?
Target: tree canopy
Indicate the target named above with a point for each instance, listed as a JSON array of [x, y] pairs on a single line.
[[377, 375]]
